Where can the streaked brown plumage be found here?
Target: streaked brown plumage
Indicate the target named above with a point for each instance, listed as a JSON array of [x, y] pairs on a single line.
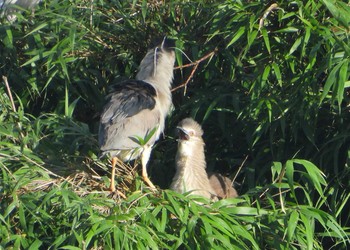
[[222, 186]]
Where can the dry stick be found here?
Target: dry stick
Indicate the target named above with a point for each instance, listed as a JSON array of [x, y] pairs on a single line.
[[279, 179], [187, 81], [91, 12], [266, 13], [239, 170], [12, 103], [195, 66], [279, 188], [9, 93]]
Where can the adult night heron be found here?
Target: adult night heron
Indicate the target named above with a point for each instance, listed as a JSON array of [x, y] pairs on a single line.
[[137, 109], [190, 161]]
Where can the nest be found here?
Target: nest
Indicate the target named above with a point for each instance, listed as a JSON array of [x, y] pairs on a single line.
[[94, 180]]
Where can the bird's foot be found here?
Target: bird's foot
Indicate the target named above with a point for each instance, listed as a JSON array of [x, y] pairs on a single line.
[[149, 183], [116, 194]]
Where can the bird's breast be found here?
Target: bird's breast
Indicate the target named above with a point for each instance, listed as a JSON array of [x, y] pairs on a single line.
[[185, 149]]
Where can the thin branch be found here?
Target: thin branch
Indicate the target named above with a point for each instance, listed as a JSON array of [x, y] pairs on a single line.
[[199, 60], [266, 13], [239, 169], [260, 196], [279, 188], [187, 81], [279, 180], [195, 66], [9, 93], [91, 13]]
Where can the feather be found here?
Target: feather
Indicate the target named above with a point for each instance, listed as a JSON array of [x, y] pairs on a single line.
[[190, 162]]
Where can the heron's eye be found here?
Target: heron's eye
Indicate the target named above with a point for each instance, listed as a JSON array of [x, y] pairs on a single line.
[[191, 133]]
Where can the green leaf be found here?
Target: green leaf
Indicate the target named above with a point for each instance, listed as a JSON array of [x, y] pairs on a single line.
[[309, 232], [342, 15], [292, 225], [9, 38], [276, 170], [277, 72], [144, 9], [35, 245], [266, 39], [343, 77], [315, 174], [290, 175], [265, 75], [295, 45], [331, 80], [287, 30], [37, 28], [236, 36]]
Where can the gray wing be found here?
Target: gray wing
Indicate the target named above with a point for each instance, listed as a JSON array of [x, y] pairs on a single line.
[[130, 111]]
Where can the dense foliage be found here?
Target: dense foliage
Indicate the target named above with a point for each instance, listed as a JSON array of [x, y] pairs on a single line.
[[273, 99]]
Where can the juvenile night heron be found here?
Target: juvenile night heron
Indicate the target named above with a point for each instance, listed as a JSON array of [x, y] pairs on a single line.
[[137, 108], [190, 161], [222, 186], [190, 166]]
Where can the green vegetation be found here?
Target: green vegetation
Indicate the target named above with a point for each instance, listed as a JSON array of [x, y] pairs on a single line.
[[274, 102]]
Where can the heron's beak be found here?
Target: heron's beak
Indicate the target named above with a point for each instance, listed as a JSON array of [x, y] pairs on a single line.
[[167, 44], [163, 42], [182, 134]]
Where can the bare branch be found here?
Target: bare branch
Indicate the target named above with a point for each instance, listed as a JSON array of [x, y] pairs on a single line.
[[239, 169], [266, 13], [195, 66], [9, 93]]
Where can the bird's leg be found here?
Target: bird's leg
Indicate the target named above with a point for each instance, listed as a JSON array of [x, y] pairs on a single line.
[[112, 185], [146, 153]]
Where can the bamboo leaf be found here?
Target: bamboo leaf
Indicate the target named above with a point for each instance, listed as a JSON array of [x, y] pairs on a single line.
[[292, 225], [266, 39], [277, 72], [343, 77], [236, 36]]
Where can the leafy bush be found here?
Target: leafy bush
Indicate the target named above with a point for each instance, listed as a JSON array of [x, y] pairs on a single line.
[[273, 98]]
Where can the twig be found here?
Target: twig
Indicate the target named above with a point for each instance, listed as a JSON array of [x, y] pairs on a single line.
[[43, 168], [9, 93], [131, 15], [91, 12], [199, 60], [279, 188], [279, 180], [187, 81], [239, 169], [266, 13], [195, 66]]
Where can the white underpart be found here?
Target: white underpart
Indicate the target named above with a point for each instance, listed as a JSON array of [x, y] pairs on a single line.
[[191, 175]]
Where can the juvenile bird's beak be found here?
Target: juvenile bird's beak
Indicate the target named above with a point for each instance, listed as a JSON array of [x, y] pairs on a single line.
[[182, 134]]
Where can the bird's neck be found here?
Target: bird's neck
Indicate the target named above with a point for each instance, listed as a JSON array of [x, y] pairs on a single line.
[[159, 74], [190, 169], [161, 80], [190, 157]]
